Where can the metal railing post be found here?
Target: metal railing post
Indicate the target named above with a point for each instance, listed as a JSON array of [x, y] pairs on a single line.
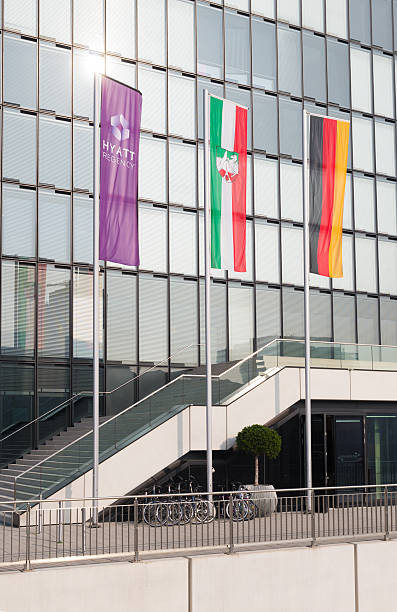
[[83, 531], [27, 567], [386, 505], [313, 518], [60, 523], [136, 543], [231, 535], [40, 525]]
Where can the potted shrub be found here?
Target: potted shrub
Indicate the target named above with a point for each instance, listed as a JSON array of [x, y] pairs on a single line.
[[258, 440]]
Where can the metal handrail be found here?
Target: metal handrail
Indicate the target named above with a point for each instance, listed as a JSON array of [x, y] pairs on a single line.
[[82, 393], [217, 376]]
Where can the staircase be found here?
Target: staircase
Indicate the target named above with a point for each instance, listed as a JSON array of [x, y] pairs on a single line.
[[28, 484], [68, 455]]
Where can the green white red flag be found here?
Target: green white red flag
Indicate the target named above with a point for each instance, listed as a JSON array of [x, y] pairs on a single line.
[[228, 179]]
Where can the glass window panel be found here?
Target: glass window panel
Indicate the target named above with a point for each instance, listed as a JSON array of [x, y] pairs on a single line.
[[237, 48], [55, 78], [293, 322], [291, 191], [121, 70], [213, 88], [385, 148], [267, 252], [183, 242], [320, 316], [364, 203], [82, 314], [314, 66], [19, 163], [153, 238], [54, 225], [387, 213], [383, 85], [151, 31], [82, 228], [387, 252], [152, 159], [360, 61], [218, 322], [85, 64], [382, 24], [53, 384], [360, 26], [266, 187], [289, 10], [313, 14], [388, 321], [19, 71], [249, 190], [241, 320], [265, 123], [120, 27], [21, 15], [82, 156], [181, 105], [19, 221], [56, 20], [17, 309], [53, 333], [182, 173], [289, 61], [292, 254], [17, 400], [348, 204], [243, 5], [347, 281], [363, 157], [290, 127], [181, 35], [337, 18], [121, 317], [153, 319], [183, 321], [338, 73], [55, 152], [88, 27], [344, 317], [268, 314], [263, 7], [366, 264], [249, 274], [209, 41], [263, 54], [367, 320], [153, 85]]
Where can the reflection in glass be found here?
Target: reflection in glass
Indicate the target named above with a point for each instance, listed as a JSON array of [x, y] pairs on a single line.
[[209, 41], [19, 221], [19, 71], [121, 317], [237, 45], [54, 225], [183, 321], [53, 333], [17, 309], [263, 54]]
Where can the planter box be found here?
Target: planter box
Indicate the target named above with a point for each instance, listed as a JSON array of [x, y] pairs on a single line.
[[264, 497]]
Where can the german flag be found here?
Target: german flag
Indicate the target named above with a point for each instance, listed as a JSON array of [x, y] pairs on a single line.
[[329, 141]]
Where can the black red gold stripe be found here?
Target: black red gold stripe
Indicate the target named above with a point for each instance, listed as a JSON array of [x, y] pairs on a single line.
[[329, 141]]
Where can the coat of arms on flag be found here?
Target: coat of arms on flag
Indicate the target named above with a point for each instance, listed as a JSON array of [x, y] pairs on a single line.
[[227, 164]]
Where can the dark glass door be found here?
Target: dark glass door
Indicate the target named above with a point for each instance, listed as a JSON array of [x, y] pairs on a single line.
[[348, 451]]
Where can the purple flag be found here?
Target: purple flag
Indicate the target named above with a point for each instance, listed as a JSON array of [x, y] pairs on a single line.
[[118, 217]]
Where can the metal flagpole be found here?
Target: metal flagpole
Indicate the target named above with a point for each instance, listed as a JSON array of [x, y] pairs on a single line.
[[95, 407], [207, 250], [308, 408]]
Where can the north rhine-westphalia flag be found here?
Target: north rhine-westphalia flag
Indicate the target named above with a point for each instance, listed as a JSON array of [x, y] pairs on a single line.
[[329, 141], [228, 168]]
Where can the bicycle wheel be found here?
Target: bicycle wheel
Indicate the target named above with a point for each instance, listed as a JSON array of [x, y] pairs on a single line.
[[187, 512], [204, 511], [155, 514], [174, 513], [240, 510]]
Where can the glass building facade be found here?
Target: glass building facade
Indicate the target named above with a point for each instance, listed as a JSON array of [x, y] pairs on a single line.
[[335, 57]]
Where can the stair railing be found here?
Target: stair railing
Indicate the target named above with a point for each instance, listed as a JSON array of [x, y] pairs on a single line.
[[82, 394]]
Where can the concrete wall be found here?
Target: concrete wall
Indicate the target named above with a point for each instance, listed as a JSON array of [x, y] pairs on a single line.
[[348, 577]]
